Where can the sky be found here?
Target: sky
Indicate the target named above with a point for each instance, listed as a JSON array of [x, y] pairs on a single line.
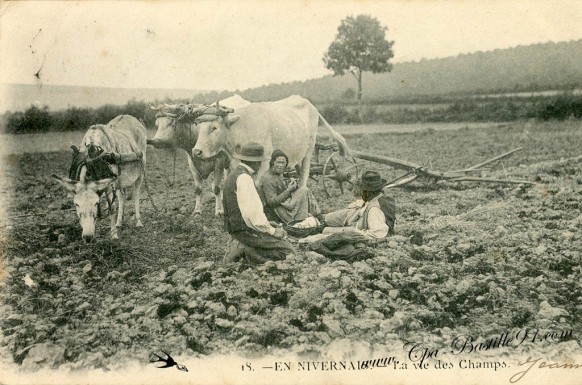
[[229, 45]]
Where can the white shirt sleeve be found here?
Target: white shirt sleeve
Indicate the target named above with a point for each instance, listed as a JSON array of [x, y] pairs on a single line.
[[377, 227], [250, 205], [356, 204]]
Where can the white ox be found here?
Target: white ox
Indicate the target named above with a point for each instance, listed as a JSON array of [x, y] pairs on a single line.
[[177, 130], [289, 125], [122, 135]]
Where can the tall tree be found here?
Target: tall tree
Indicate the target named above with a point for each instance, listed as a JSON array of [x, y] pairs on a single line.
[[360, 45]]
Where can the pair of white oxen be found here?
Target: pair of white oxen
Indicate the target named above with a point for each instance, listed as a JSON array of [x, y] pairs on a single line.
[[209, 139]]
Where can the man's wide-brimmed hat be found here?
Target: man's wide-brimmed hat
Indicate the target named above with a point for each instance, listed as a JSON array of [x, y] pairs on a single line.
[[251, 151], [371, 181]]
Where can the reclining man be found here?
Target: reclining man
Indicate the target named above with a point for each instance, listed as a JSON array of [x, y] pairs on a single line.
[[244, 219], [283, 200], [372, 216]]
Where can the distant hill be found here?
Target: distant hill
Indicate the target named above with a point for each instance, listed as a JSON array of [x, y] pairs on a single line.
[[523, 68], [18, 97], [547, 66]]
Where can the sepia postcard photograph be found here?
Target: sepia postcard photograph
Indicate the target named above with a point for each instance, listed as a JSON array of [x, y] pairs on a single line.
[[299, 192]]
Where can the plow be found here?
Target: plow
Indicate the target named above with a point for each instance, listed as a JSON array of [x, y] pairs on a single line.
[[338, 171]]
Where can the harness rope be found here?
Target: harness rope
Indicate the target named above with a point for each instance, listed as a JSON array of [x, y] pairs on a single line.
[[145, 183], [175, 120], [110, 202]]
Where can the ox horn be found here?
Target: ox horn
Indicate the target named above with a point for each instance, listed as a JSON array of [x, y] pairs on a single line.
[[171, 107], [223, 110], [197, 108]]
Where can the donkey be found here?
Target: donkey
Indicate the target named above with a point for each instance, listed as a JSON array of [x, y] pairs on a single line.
[[111, 158]]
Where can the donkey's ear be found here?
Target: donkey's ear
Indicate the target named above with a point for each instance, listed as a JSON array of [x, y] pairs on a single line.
[[103, 184], [67, 183]]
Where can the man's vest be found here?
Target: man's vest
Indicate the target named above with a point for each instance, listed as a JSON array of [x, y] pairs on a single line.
[[233, 220], [386, 204]]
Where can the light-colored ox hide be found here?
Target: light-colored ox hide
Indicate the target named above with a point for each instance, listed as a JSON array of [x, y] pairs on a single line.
[[289, 125], [123, 135], [179, 131]]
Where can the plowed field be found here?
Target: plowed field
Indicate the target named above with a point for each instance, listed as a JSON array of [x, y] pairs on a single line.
[[466, 259]]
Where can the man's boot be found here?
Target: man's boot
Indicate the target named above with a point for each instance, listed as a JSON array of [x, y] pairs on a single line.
[[234, 252]]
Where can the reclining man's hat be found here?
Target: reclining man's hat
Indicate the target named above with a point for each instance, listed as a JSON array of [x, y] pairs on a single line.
[[251, 151], [371, 181]]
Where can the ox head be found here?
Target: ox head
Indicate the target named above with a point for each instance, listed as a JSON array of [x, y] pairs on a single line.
[[212, 131], [173, 127], [86, 200]]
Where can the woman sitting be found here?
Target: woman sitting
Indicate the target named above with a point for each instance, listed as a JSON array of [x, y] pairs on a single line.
[[284, 201]]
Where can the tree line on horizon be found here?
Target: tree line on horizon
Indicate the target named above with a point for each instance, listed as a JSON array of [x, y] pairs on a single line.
[[564, 106]]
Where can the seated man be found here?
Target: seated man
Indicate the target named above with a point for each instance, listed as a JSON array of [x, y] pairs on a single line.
[[283, 200], [372, 216], [244, 219]]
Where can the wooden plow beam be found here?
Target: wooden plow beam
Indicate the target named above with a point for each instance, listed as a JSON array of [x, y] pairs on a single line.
[[415, 170]]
